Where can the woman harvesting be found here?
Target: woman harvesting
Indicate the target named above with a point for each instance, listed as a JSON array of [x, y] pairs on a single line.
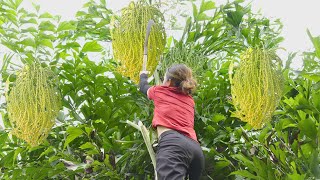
[[179, 153]]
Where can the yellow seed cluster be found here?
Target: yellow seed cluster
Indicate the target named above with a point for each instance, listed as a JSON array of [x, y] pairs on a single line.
[[33, 104], [256, 87], [128, 36]]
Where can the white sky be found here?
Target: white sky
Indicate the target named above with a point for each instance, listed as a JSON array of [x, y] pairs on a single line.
[[297, 17]]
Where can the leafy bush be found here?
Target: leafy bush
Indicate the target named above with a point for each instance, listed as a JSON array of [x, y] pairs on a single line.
[[91, 139]]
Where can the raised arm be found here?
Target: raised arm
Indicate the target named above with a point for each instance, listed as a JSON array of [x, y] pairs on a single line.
[[143, 84]]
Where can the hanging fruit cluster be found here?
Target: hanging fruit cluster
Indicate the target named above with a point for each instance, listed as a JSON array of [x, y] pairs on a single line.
[[128, 36], [256, 87], [33, 104]]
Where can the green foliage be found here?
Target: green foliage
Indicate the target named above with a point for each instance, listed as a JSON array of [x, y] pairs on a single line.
[[91, 139], [289, 147], [186, 55], [231, 29]]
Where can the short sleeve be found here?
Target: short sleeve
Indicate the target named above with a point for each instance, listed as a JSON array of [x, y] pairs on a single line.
[[151, 92]]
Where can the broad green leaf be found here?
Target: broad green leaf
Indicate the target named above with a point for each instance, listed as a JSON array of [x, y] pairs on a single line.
[[32, 15], [47, 151], [308, 127], [315, 163], [3, 138], [103, 2], [296, 176], [107, 161], [261, 167], [316, 43], [47, 36], [81, 13], [73, 133], [11, 12], [245, 160], [2, 31], [218, 117], [92, 152], [12, 46], [11, 18], [59, 168], [73, 45], [31, 21], [106, 141], [36, 7], [312, 76], [46, 42], [37, 173], [53, 158], [245, 173], [195, 11], [257, 34], [1, 21], [169, 42], [287, 123], [88, 4], [302, 114], [7, 160], [234, 18], [45, 15], [291, 102], [263, 133], [28, 42], [16, 174], [221, 164], [186, 28], [92, 46], [24, 12], [87, 145], [47, 26], [307, 149], [88, 130], [205, 6], [17, 3], [102, 23], [316, 98], [65, 26], [202, 17], [291, 56], [32, 149], [245, 32], [29, 29], [17, 152]]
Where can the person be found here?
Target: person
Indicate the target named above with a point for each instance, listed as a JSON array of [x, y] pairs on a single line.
[[179, 154]]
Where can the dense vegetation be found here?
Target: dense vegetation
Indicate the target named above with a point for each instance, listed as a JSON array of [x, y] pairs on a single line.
[[91, 139]]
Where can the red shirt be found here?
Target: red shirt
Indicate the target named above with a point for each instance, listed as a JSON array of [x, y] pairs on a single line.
[[173, 110]]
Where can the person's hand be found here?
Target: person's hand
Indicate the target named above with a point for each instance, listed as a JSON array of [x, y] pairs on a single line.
[[144, 72]]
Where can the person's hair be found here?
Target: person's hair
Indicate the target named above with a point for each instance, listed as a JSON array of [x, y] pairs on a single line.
[[181, 77]]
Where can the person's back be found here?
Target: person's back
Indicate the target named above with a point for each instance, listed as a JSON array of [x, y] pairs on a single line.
[[173, 110], [179, 153]]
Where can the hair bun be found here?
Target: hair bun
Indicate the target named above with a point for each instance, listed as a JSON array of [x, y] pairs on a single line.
[[181, 77], [188, 86]]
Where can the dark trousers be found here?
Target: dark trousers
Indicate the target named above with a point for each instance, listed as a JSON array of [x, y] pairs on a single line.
[[178, 157]]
